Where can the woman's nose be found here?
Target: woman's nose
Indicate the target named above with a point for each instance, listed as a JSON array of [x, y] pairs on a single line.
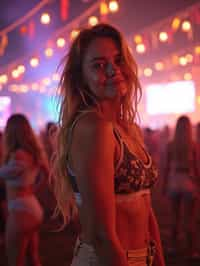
[[112, 69]]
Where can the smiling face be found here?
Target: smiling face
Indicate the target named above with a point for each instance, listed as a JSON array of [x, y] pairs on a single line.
[[103, 69]]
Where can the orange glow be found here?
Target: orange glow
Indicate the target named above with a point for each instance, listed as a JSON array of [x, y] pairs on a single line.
[[137, 39], [48, 52], [189, 58], [3, 79], [140, 48], [74, 34], [176, 23], [198, 99], [197, 50], [186, 26], [187, 76], [103, 8], [92, 21], [163, 36], [113, 6], [159, 66], [45, 18]]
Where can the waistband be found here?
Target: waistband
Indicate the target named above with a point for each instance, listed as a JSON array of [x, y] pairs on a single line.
[[133, 195], [135, 257]]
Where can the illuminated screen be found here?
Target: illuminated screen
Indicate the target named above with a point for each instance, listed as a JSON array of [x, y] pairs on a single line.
[[5, 110], [174, 97]]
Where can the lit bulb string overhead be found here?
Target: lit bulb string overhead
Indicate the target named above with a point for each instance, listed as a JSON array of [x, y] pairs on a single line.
[[150, 37], [43, 84], [25, 18]]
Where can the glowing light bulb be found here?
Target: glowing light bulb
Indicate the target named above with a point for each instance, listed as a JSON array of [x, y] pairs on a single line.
[[113, 6], [48, 52], [140, 48], [159, 66], [148, 72], [186, 26], [34, 62], [163, 36], [45, 18], [60, 42], [92, 21]]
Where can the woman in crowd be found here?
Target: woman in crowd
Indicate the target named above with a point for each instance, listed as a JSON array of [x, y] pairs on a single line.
[[23, 162], [180, 183], [101, 159]]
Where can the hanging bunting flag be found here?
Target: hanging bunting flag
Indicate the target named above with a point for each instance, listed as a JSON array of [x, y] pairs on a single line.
[[64, 9], [3, 44], [31, 29]]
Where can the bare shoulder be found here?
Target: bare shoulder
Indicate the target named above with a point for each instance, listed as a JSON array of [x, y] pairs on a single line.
[[93, 126]]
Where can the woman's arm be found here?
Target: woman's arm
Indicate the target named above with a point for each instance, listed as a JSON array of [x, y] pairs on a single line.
[[11, 170], [93, 163], [155, 236]]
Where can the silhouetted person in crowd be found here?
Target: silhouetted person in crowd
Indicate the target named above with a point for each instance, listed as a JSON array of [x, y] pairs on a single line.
[[180, 184]]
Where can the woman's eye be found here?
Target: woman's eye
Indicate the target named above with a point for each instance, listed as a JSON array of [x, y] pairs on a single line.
[[119, 61], [99, 65]]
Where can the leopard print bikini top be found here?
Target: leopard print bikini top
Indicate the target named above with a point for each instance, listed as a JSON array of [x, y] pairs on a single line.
[[131, 173]]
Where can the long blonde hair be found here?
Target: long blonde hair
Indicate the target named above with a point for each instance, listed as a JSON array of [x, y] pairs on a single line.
[[19, 134], [76, 96], [182, 144]]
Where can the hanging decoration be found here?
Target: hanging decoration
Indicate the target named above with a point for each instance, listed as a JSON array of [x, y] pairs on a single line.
[[64, 9]]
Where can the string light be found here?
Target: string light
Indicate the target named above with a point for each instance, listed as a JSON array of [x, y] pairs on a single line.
[[3, 79], [113, 6], [21, 69], [92, 21], [74, 34], [103, 8], [163, 36], [186, 26], [48, 52], [15, 73], [137, 39], [60, 42], [189, 58], [45, 18], [182, 61], [148, 72], [197, 50], [34, 62], [140, 48], [159, 66], [176, 23]]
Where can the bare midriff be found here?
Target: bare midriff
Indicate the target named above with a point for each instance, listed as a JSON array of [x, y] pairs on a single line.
[[132, 219]]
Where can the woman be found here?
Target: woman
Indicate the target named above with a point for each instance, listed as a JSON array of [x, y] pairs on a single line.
[[180, 177], [23, 162], [101, 159]]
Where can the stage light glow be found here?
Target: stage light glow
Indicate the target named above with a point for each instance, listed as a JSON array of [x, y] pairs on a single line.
[[165, 98]]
